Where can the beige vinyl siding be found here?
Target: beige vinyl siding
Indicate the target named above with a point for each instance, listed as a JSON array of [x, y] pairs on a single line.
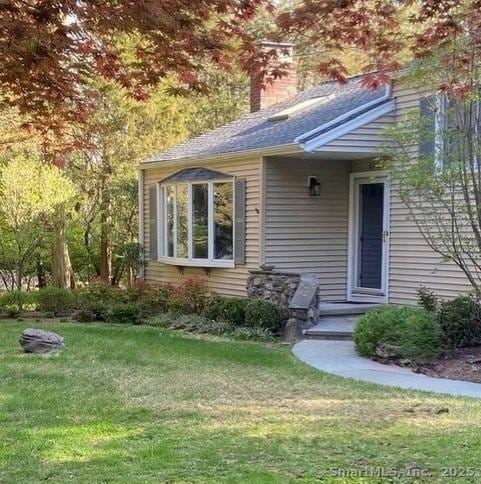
[[366, 139], [304, 233], [412, 262], [228, 281]]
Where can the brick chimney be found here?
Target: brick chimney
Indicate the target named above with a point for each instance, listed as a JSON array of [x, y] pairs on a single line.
[[269, 90]]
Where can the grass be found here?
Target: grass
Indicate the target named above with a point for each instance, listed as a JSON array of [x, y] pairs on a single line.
[[136, 404]]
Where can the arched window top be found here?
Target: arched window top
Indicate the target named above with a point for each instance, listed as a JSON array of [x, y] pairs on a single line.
[[195, 174]]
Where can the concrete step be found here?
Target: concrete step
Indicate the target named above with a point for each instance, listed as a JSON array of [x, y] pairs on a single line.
[[333, 327], [342, 309]]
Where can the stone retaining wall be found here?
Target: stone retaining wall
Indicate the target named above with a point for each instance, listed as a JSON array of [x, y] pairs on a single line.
[[279, 288]]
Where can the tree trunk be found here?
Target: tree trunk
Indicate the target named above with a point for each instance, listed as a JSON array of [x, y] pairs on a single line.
[[105, 227], [105, 246], [41, 277], [19, 276], [62, 273]]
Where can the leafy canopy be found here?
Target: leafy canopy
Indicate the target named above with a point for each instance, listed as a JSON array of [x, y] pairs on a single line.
[[31, 190], [49, 50]]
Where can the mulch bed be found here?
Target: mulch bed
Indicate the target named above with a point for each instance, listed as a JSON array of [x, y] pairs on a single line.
[[464, 364]]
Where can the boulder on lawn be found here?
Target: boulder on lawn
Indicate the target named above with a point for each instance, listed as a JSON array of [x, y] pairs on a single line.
[[40, 341]]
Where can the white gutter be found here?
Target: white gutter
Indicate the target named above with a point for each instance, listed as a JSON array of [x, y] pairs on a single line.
[[274, 150], [359, 121]]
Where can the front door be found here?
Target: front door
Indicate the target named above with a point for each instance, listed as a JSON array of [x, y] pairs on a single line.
[[368, 254]]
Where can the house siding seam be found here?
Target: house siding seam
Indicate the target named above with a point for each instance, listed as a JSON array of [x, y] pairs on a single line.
[[228, 281]]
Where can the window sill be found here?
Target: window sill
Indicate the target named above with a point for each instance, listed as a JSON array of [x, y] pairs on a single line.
[[197, 263]]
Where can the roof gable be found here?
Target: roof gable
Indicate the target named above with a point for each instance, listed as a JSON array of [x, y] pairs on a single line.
[[338, 106]]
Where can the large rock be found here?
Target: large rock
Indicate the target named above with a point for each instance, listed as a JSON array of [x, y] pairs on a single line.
[[40, 341]]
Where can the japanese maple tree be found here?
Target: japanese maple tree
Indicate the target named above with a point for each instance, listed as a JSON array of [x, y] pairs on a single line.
[[385, 32], [49, 49]]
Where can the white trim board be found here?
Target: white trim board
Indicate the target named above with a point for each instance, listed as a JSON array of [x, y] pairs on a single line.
[[141, 208], [387, 94], [358, 122]]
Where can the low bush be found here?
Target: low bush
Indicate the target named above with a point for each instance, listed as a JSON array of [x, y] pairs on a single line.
[[420, 337], [14, 302], [155, 300], [252, 334], [406, 331], [231, 309], [460, 321], [195, 323], [124, 313], [99, 299], [194, 295], [427, 299], [263, 315], [83, 316], [55, 301]]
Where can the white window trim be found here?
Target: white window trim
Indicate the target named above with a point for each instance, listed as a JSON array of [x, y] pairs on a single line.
[[162, 223]]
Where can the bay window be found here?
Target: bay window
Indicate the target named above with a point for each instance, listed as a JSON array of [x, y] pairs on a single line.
[[197, 222]]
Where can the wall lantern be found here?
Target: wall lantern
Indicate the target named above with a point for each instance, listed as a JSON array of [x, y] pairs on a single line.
[[314, 186]]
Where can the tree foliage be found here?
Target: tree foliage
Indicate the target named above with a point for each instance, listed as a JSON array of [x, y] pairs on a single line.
[[31, 194], [385, 33], [51, 50], [441, 182]]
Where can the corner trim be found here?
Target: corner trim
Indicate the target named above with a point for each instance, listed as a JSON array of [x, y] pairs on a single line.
[[141, 201]]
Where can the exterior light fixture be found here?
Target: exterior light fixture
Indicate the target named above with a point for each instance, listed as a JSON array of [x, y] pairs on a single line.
[[314, 186]]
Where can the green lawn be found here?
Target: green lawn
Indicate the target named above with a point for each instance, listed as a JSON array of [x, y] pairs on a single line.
[[135, 404]]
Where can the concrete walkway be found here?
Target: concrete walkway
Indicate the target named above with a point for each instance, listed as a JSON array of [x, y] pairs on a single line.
[[340, 358]]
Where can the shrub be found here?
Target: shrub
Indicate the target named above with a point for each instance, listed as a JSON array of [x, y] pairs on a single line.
[[231, 309], [195, 323], [408, 333], [99, 299], [155, 300], [262, 314], [420, 337], [14, 302], [178, 305], [164, 320], [194, 293], [83, 316], [460, 321], [427, 299], [124, 313], [101, 292], [55, 300]]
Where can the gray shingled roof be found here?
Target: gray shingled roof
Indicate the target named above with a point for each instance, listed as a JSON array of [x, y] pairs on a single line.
[[255, 131]]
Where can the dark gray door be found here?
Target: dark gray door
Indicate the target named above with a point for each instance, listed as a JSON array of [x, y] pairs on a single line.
[[371, 228]]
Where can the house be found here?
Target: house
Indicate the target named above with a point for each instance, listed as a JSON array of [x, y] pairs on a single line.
[[294, 184]]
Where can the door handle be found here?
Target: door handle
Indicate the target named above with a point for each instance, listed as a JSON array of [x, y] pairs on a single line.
[[385, 235]]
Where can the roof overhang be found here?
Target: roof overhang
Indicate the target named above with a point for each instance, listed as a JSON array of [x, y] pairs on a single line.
[[237, 155], [309, 142], [369, 116]]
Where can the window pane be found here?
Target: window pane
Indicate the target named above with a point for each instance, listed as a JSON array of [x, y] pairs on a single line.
[[182, 230], [170, 221], [223, 213], [200, 216]]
